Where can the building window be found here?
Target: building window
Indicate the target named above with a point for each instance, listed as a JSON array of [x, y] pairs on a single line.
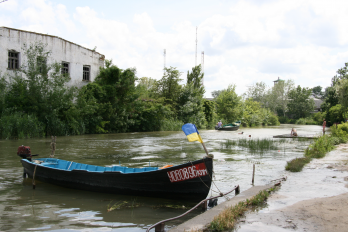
[[13, 60], [86, 72], [65, 68], [42, 64]]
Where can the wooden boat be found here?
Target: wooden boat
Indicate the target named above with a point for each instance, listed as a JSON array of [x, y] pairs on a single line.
[[191, 180], [229, 127]]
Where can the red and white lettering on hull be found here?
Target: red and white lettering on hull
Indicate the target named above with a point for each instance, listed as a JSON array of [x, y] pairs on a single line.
[[187, 173]]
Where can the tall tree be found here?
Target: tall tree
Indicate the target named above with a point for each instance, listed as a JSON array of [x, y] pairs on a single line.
[[258, 92], [300, 104], [169, 86], [228, 104], [278, 96]]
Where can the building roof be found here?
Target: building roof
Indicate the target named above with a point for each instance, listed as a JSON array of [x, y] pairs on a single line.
[[317, 102], [278, 80], [53, 37]]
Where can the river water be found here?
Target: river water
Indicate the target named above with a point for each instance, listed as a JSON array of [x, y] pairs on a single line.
[[54, 208]]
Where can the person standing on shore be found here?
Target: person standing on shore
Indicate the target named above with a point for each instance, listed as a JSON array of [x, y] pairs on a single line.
[[324, 125]]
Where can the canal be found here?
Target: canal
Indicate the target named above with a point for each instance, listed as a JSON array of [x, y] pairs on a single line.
[[53, 208]]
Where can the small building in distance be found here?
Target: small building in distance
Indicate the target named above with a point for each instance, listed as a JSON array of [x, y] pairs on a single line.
[[317, 104], [80, 63], [276, 81]]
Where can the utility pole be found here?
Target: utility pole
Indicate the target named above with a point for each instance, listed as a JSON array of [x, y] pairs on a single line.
[[164, 55], [202, 64], [196, 47]]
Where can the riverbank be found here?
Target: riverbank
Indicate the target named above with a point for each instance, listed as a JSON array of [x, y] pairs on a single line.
[[317, 204]]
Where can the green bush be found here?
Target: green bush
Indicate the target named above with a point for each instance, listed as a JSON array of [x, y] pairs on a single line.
[[306, 121], [19, 126], [297, 164]]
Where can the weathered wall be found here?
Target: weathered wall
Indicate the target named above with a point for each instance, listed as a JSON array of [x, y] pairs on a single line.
[[62, 51]]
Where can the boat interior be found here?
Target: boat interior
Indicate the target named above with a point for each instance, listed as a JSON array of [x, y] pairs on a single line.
[[70, 165]]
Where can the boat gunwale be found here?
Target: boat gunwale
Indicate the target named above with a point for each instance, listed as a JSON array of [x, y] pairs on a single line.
[[118, 172]]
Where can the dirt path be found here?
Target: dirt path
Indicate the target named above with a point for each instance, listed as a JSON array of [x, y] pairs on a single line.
[[315, 199]]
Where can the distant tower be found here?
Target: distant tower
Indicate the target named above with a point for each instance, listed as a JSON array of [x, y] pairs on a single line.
[[202, 64], [202, 61], [196, 47], [164, 56]]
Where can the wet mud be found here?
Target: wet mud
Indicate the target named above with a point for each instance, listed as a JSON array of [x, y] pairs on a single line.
[[315, 199]]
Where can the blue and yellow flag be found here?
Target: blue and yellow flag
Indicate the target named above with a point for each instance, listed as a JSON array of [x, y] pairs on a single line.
[[191, 132]]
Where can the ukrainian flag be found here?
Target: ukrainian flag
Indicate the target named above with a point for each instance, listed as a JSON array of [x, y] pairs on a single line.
[[191, 132]]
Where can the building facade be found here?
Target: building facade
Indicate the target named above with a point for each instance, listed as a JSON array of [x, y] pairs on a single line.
[[81, 64]]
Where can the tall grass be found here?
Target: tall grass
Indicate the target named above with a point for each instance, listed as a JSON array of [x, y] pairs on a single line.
[[171, 125], [253, 145], [20, 126], [320, 147], [228, 218]]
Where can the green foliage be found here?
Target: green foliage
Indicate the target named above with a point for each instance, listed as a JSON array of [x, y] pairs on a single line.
[[300, 104], [171, 125], [169, 86], [340, 132], [330, 99], [253, 145], [209, 112], [228, 218], [320, 147], [19, 125], [317, 92], [335, 114], [228, 104], [297, 164], [342, 91], [258, 92], [145, 88], [307, 121], [190, 106]]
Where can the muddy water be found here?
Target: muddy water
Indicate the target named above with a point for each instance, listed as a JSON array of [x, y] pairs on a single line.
[[53, 208]]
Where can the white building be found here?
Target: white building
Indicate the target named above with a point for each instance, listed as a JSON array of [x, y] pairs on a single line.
[[82, 64]]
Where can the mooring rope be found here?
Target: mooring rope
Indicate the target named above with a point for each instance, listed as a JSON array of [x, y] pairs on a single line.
[[34, 177], [212, 190]]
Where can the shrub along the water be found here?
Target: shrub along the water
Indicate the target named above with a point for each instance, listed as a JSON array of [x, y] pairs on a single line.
[[320, 147]]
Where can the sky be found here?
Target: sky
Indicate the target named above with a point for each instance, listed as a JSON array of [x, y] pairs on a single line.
[[244, 42]]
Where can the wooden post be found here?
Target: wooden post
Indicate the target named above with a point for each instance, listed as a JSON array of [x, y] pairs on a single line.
[[253, 174], [53, 145], [205, 205], [237, 191], [159, 227]]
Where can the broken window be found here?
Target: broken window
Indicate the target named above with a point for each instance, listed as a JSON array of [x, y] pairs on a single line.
[[86, 72], [65, 68], [13, 60], [42, 64]]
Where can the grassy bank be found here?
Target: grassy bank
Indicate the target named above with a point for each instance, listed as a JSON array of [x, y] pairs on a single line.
[[320, 147], [228, 218]]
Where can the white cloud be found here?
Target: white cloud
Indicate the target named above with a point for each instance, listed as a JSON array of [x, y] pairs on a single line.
[[254, 41]]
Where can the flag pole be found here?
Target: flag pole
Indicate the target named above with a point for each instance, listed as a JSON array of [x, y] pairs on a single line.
[[206, 151]]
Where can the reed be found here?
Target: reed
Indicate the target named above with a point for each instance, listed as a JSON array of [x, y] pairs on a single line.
[[171, 125], [253, 145], [115, 206], [296, 165], [318, 149], [20, 126], [228, 218]]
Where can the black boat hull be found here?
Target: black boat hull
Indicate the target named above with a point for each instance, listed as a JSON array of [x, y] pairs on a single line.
[[232, 128], [174, 182]]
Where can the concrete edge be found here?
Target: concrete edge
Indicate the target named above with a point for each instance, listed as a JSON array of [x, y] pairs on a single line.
[[201, 221]]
